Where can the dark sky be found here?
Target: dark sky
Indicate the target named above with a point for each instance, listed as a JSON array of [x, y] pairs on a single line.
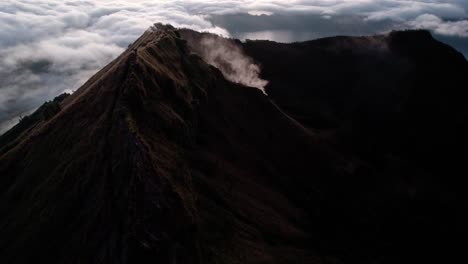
[[51, 46]]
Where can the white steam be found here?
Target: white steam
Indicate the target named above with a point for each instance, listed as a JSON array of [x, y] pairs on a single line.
[[230, 59]]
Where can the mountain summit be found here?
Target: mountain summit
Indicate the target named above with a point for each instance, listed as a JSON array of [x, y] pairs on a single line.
[[158, 158], [168, 156]]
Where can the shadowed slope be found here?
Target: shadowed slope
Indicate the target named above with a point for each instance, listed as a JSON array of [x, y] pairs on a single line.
[[397, 102], [158, 158], [395, 105]]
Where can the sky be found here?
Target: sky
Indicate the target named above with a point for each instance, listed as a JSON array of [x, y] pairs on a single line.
[[49, 46]]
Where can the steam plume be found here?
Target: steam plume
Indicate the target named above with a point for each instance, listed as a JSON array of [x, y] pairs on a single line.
[[228, 57]]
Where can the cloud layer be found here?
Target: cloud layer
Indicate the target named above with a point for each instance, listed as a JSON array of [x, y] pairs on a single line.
[[51, 46]]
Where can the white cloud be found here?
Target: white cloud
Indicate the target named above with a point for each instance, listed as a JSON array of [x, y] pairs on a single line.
[[439, 26], [49, 46]]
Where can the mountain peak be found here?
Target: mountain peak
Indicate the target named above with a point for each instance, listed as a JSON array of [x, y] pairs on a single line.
[[113, 151], [167, 155], [137, 162]]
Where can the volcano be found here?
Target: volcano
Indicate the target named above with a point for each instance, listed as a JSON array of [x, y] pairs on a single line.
[[355, 152]]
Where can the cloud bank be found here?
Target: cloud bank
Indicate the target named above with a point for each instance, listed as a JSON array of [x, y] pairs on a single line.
[[51, 46]]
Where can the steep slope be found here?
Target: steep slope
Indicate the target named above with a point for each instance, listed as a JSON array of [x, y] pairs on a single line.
[[395, 104], [158, 158]]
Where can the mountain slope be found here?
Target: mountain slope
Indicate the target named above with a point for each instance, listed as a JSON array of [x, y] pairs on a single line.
[[159, 158], [395, 104], [397, 101]]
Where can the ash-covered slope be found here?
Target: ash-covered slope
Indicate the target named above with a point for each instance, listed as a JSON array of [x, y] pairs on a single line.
[[159, 159]]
